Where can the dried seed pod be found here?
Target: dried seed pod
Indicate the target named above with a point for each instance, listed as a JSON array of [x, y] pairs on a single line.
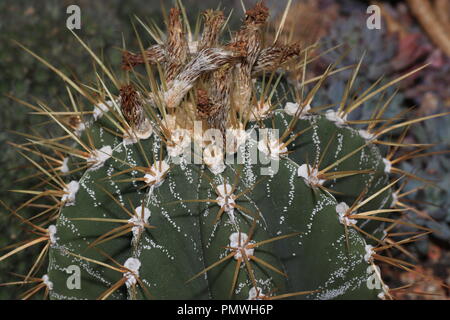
[[206, 60], [214, 21], [155, 54], [251, 38], [423, 10], [204, 104], [258, 15], [220, 90], [274, 57], [177, 48], [214, 104], [133, 110]]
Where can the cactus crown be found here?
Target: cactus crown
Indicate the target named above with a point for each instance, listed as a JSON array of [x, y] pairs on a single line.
[[212, 176]]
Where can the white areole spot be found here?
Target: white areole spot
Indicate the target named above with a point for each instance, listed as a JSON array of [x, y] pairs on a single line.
[[70, 192], [98, 157], [213, 158], [394, 199], [102, 108], [387, 165], [366, 135], [261, 112], [368, 257], [310, 175], [129, 139], [51, 231], [382, 295], [342, 210], [133, 265], [225, 197], [139, 220], [79, 129], [255, 294], [272, 147], [47, 282], [292, 109], [336, 117], [65, 166], [134, 136], [180, 139], [157, 173], [239, 245]]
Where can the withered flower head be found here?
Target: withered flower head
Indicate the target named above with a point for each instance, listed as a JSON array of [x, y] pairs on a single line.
[[132, 109], [258, 15], [213, 23], [154, 54], [219, 75]]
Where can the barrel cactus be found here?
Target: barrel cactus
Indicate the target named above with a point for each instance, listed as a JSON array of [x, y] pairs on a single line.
[[204, 174]]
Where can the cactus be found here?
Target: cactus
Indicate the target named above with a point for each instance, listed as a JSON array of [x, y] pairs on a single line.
[[206, 178]]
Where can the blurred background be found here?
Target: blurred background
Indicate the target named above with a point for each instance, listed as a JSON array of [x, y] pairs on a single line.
[[412, 33]]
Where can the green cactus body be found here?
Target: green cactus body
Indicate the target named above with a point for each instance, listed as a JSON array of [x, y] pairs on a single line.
[[314, 252]]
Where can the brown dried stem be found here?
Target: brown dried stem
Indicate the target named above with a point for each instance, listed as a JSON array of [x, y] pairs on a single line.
[[423, 10]]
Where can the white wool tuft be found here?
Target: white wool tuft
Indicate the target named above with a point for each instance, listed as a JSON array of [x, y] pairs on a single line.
[[138, 220], [102, 108], [310, 178], [387, 165], [369, 253], [70, 192], [79, 129], [47, 282], [158, 172], [292, 109], [134, 136], [239, 245], [129, 139], [260, 112], [51, 231], [225, 198], [99, 156], [272, 147], [255, 294], [394, 199], [133, 265], [382, 295], [366, 135], [336, 118], [342, 209], [65, 166]]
